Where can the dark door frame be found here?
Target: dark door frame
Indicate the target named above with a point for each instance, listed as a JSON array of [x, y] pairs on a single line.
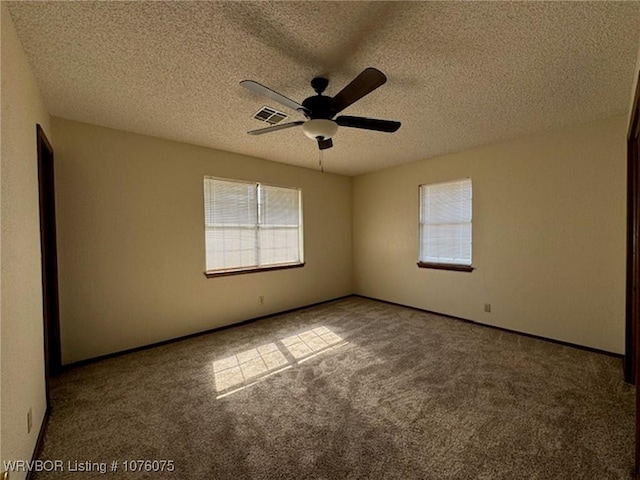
[[632, 321], [633, 246], [48, 249]]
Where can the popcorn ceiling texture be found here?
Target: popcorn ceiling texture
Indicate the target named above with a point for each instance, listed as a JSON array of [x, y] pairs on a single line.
[[461, 74]]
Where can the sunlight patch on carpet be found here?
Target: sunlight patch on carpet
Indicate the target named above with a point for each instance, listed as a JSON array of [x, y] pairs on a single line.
[[310, 342], [237, 372]]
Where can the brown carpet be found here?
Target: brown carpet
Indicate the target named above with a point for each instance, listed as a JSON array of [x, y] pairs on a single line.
[[350, 389]]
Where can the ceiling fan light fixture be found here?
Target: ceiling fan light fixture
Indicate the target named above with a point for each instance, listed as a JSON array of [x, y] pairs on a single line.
[[319, 128]]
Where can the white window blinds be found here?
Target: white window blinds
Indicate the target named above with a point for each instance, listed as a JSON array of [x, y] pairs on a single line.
[[445, 223], [251, 225]]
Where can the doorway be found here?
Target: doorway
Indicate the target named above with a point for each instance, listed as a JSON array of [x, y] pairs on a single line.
[[49, 251]]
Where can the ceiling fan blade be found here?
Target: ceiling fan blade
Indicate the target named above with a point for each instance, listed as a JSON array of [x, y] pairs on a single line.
[[368, 123], [365, 83], [273, 95], [324, 144], [275, 128]]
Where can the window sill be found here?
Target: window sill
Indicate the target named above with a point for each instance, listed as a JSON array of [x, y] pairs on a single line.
[[227, 273], [446, 266]]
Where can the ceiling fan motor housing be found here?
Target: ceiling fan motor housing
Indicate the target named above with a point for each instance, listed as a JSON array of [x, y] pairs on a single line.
[[319, 106]]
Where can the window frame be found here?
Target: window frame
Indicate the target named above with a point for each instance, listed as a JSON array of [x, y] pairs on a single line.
[[456, 267], [257, 268]]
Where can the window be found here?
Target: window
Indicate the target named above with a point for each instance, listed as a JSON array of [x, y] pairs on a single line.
[[445, 225], [251, 226]]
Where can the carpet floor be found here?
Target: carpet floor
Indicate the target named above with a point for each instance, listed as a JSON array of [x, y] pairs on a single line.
[[351, 389]]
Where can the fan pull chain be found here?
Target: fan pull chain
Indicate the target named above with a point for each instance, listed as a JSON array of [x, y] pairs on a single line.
[[320, 161]]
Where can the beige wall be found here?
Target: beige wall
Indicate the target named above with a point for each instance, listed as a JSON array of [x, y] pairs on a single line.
[[131, 240], [548, 235], [21, 338]]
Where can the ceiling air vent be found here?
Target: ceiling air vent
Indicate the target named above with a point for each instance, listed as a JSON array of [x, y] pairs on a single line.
[[269, 115]]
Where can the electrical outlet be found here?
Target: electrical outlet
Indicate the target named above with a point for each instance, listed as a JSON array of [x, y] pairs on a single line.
[[261, 299], [29, 420], [487, 307]]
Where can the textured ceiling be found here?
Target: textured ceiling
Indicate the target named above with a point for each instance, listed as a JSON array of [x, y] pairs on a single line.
[[460, 74]]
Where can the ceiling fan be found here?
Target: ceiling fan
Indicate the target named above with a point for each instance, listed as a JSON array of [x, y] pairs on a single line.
[[321, 110]]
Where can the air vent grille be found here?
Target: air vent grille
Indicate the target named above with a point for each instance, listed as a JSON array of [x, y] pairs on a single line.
[[269, 115]]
